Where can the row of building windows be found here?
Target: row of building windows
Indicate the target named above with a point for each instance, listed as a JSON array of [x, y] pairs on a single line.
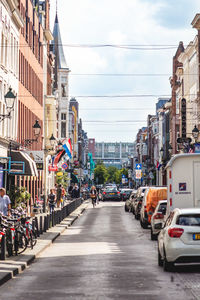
[[31, 35], [29, 79], [7, 126], [9, 52]]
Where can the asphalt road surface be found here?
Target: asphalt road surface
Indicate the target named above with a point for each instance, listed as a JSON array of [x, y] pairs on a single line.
[[104, 255]]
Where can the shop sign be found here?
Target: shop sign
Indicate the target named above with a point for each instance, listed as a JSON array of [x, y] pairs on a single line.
[[37, 156], [40, 166], [53, 168]]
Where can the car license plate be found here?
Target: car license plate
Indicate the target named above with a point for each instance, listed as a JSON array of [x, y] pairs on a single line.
[[196, 236], [112, 193]]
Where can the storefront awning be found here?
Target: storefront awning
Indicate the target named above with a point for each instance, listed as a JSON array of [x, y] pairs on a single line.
[[22, 164], [74, 179]]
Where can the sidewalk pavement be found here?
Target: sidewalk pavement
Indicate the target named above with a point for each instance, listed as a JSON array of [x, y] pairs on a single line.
[[16, 264]]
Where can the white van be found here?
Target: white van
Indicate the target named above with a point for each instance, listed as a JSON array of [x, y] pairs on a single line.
[[183, 181]]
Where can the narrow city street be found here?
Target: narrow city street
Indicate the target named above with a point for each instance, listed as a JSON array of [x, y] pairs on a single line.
[[104, 255]]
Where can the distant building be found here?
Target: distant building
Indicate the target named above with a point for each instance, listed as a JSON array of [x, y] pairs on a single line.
[[113, 154], [61, 74], [91, 146]]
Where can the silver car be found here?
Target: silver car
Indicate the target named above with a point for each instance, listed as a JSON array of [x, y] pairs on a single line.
[[179, 240], [157, 219]]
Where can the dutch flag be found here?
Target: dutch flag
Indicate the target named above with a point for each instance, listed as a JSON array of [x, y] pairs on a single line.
[[68, 148]]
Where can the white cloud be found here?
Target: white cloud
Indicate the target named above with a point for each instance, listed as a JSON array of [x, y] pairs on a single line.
[[119, 22]]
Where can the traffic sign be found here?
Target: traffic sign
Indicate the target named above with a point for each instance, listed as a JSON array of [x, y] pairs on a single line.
[[138, 166], [138, 174], [151, 176], [65, 166]]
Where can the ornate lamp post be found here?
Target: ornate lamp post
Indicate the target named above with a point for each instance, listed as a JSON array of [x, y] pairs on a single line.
[[195, 133]]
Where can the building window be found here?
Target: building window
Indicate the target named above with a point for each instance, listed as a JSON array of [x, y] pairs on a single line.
[[63, 117], [63, 130], [64, 90]]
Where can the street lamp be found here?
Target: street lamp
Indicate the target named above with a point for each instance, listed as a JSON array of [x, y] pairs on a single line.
[[161, 152], [195, 133], [52, 141], [170, 149], [10, 101], [36, 131]]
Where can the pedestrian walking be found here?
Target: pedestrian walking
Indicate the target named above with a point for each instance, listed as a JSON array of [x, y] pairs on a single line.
[[63, 194], [75, 191], [52, 200], [93, 195], [5, 203], [59, 195], [70, 189]]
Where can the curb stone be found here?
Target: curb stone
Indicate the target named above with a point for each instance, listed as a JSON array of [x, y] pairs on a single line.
[[16, 265]]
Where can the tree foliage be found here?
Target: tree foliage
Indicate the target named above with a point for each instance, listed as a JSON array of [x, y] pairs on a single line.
[[110, 174]]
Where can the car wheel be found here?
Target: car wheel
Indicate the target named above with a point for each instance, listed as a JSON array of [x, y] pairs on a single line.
[[126, 209], [144, 225], [160, 261], [153, 236], [167, 266]]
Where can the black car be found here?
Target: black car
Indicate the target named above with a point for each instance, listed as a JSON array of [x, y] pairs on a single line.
[[111, 194], [125, 194], [138, 208]]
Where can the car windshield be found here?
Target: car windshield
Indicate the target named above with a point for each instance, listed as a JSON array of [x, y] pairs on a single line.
[[189, 220], [111, 190], [162, 207]]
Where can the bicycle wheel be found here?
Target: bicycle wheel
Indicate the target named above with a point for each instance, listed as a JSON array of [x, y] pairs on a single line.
[[33, 238], [22, 242]]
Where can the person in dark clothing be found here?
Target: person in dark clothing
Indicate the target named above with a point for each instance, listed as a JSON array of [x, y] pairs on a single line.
[[70, 189], [75, 192], [51, 199], [59, 195]]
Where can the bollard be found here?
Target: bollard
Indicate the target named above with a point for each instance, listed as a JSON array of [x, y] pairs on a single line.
[[3, 247], [48, 221], [36, 227], [33, 225], [45, 223], [41, 221], [53, 218]]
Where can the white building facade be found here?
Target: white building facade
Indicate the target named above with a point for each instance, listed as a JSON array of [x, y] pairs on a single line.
[[10, 24]]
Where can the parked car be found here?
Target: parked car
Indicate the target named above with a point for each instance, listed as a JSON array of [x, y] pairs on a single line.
[[139, 197], [179, 240], [157, 219], [133, 199], [127, 205], [125, 194], [111, 194], [138, 208]]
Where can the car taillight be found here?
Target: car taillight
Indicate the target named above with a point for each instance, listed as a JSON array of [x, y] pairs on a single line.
[[158, 216], [119, 193], [175, 232], [145, 208], [13, 229], [124, 194], [104, 193]]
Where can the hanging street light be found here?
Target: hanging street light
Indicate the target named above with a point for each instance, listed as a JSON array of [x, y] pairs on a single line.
[[9, 101], [195, 133], [36, 132], [52, 140]]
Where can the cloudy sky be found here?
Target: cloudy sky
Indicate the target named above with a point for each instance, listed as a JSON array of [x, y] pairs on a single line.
[[121, 22]]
